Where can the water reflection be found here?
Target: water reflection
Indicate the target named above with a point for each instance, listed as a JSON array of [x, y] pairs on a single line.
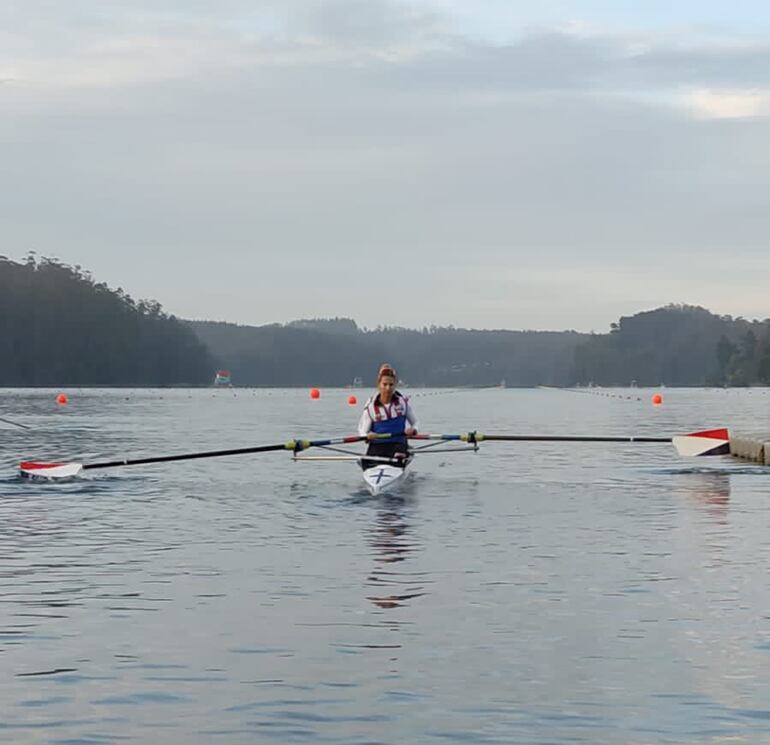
[[392, 542], [708, 609], [709, 491]]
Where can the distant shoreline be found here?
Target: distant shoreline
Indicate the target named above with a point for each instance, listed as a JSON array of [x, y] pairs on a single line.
[[348, 387]]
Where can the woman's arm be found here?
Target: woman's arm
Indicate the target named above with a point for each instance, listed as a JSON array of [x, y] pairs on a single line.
[[364, 423], [411, 417]]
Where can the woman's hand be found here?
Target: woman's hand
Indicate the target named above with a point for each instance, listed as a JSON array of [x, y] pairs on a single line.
[[410, 431]]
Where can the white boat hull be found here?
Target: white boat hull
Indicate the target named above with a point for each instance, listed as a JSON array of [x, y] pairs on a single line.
[[382, 478]]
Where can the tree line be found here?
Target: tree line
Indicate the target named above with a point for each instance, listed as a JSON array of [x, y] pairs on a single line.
[[337, 352], [677, 345], [58, 326]]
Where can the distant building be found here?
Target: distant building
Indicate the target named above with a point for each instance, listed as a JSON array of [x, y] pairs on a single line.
[[222, 377]]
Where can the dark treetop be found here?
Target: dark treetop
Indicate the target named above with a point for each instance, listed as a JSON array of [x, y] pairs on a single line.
[[60, 327]]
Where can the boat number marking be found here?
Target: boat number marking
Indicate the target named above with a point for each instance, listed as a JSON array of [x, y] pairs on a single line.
[[381, 475]]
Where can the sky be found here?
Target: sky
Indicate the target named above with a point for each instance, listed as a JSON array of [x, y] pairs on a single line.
[[480, 163]]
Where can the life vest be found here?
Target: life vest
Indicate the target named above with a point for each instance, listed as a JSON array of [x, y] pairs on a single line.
[[388, 418]]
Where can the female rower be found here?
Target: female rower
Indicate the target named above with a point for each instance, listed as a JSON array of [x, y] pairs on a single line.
[[387, 412]]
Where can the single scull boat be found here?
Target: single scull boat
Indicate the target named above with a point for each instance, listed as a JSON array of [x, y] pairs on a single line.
[[386, 473]]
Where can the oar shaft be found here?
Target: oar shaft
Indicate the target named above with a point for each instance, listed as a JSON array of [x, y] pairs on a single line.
[[184, 456], [479, 437], [293, 445], [15, 424], [568, 438]]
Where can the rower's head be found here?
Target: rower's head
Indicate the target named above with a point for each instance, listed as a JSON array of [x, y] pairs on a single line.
[[386, 381]]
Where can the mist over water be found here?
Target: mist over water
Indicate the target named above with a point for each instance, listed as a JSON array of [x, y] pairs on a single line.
[[530, 592]]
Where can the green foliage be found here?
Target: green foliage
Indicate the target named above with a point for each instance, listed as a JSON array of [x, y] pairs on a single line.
[[333, 353], [329, 325], [677, 345], [60, 327]]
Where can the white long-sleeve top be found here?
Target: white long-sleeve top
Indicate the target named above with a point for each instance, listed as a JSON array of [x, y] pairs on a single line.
[[375, 410]]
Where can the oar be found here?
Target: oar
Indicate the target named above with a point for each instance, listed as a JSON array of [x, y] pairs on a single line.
[[32, 469], [15, 424], [707, 442]]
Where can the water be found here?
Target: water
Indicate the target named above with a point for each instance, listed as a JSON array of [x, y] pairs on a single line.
[[530, 593]]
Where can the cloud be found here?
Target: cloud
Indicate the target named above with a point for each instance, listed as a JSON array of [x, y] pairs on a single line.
[[729, 104], [111, 45], [283, 158], [374, 23]]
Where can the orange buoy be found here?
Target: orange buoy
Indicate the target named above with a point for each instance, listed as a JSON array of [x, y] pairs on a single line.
[[62, 399], [315, 393], [352, 400], [657, 399]]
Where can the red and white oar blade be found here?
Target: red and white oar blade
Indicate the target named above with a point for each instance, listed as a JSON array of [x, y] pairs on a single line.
[[49, 471], [708, 442]]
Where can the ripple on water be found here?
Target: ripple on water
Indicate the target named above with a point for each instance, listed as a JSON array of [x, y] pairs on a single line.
[[528, 593]]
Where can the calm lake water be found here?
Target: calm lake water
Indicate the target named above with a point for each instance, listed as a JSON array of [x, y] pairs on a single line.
[[529, 593]]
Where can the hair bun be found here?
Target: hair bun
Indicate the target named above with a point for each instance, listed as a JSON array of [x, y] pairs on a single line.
[[386, 369]]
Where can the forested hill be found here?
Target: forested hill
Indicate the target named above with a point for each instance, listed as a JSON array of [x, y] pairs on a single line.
[[60, 327], [336, 351], [677, 345]]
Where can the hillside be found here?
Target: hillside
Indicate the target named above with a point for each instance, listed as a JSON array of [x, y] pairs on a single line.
[[60, 327]]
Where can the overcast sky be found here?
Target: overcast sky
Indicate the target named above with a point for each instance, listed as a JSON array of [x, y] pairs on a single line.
[[482, 163]]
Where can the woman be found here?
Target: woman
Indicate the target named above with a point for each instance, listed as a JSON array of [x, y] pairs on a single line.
[[387, 412]]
